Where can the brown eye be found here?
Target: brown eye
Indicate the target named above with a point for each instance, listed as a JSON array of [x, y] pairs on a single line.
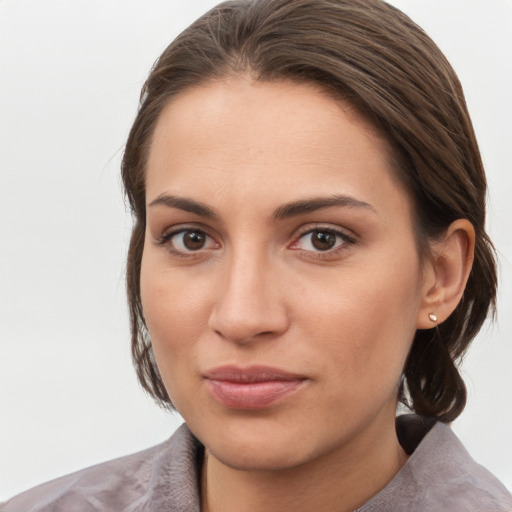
[[194, 240], [322, 240], [190, 240]]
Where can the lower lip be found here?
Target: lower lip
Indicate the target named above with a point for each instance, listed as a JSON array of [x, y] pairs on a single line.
[[253, 395]]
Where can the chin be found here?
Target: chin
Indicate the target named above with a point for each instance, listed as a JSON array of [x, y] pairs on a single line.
[[257, 458], [258, 445]]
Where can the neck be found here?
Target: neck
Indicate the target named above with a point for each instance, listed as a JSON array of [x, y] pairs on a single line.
[[340, 481]]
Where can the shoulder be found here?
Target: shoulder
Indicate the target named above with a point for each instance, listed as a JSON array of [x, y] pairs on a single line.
[[441, 475], [448, 475], [141, 481]]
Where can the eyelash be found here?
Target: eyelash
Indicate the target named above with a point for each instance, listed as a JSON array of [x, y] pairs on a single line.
[[165, 240], [345, 243]]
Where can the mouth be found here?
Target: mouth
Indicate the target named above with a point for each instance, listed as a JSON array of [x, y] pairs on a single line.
[[255, 387]]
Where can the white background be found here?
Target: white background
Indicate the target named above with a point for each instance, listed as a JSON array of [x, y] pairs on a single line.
[[70, 74]]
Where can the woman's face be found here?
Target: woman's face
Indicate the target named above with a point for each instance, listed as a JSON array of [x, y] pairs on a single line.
[[280, 279]]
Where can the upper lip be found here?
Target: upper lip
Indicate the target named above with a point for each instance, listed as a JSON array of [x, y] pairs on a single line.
[[250, 374]]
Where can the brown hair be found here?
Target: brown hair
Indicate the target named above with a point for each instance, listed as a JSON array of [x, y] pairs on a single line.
[[373, 56]]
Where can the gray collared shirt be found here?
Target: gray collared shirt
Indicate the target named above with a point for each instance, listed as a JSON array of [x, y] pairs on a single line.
[[440, 475]]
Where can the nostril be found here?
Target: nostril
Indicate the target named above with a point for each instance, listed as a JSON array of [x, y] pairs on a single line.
[[245, 310]]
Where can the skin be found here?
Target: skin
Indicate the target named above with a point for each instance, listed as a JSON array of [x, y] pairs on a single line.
[[258, 291]]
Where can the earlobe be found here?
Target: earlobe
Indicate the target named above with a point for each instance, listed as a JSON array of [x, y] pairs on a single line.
[[447, 274]]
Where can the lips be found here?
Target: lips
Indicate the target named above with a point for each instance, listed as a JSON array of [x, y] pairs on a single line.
[[255, 387]]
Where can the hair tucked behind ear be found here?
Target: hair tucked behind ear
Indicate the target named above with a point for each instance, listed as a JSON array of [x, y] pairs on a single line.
[[373, 56], [434, 386]]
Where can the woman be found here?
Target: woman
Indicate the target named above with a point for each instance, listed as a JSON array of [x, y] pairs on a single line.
[[308, 250]]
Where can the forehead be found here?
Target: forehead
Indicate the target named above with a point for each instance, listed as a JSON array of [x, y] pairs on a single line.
[[240, 103], [241, 139]]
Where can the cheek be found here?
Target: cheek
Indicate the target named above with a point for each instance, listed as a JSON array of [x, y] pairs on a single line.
[[175, 316], [172, 302], [365, 323]]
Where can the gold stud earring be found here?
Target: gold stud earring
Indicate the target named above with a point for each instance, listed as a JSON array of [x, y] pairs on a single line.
[[432, 317]]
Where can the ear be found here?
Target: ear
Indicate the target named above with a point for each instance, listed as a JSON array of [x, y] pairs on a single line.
[[446, 274]]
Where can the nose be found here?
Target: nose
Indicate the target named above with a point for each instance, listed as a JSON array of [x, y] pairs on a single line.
[[250, 302]]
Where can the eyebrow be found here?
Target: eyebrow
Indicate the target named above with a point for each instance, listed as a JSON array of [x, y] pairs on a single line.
[[287, 210], [318, 203], [185, 204]]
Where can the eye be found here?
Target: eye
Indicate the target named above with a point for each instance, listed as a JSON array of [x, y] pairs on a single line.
[[188, 240], [322, 240]]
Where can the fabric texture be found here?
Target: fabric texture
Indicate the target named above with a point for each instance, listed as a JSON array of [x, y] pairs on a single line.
[[439, 475]]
